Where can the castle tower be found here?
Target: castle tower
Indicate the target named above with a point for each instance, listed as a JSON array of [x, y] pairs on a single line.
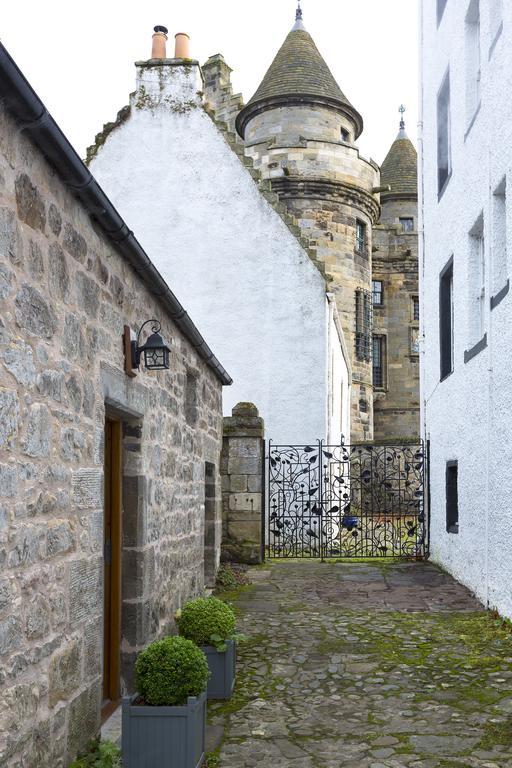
[[395, 295], [300, 130]]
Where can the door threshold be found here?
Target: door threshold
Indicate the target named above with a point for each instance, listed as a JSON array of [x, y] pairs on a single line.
[[108, 708]]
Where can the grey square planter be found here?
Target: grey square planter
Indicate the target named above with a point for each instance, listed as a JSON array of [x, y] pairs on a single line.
[[164, 737], [222, 667]]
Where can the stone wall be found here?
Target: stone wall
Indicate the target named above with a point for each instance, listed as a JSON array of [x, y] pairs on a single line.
[[65, 297], [218, 92], [242, 469], [396, 405], [327, 186]]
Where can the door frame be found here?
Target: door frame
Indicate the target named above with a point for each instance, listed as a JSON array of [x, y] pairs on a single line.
[[112, 543]]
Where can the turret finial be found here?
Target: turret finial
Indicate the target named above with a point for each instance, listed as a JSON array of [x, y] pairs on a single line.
[[401, 109], [298, 12]]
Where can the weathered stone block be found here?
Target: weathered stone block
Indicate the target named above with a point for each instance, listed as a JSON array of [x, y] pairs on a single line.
[[85, 593], [59, 538], [38, 434], [72, 339], [244, 466], [65, 673], [245, 502], [9, 417], [37, 621], [88, 488], [139, 573], [54, 219], [11, 634], [33, 313], [11, 244], [72, 444], [74, 243], [8, 480], [255, 483], [58, 273], [87, 294], [19, 361], [135, 492], [74, 393], [30, 203], [137, 623], [49, 383], [6, 280], [237, 483], [27, 546], [244, 447]]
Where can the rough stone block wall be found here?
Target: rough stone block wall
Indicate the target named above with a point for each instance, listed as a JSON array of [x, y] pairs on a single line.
[[242, 466], [395, 263], [65, 295], [218, 92]]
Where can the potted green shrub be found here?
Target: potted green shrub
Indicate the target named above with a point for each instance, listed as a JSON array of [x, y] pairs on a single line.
[[210, 624], [164, 722]]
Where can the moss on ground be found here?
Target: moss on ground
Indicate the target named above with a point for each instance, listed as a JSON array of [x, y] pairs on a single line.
[[441, 657]]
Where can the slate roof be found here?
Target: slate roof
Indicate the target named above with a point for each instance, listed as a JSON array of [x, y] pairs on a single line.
[[299, 71], [400, 168]]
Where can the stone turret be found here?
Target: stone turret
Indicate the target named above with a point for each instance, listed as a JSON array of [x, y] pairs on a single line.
[[300, 129], [396, 304], [399, 171]]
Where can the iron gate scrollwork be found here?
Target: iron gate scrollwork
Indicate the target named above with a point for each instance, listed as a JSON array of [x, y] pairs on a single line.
[[346, 501]]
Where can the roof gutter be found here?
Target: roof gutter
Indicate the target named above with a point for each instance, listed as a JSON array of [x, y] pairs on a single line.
[[34, 120]]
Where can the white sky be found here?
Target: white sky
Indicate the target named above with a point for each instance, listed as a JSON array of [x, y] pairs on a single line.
[[79, 56]]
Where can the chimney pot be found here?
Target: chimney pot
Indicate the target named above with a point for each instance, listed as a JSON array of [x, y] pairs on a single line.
[[182, 49], [158, 49]]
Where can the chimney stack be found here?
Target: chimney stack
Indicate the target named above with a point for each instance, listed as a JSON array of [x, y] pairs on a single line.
[[182, 50], [158, 49]]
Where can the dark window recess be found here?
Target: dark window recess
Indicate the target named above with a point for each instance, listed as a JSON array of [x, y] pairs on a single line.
[[415, 308], [360, 236], [441, 5], [452, 497], [444, 153], [345, 135], [407, 224], [363, 325], [378, 293], [363, 406], [446, 319], [378, 361]]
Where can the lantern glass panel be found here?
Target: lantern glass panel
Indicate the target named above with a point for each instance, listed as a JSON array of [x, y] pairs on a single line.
[[156, 358]]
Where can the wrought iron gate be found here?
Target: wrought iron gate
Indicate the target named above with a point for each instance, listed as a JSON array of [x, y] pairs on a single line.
[[346, 501]]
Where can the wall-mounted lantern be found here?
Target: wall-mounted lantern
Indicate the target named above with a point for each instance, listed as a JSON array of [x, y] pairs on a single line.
[[155, 351]]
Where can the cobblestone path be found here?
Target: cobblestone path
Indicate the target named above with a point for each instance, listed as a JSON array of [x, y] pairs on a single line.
[[367, 666]]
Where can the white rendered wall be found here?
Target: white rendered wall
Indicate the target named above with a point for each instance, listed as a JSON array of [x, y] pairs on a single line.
[[468, 416], [338, 404], [252, 290]]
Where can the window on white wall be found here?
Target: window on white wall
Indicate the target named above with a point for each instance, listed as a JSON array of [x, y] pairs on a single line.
[[444, 152], [473, 60], [476, 283], [446, 320], [499, 237]]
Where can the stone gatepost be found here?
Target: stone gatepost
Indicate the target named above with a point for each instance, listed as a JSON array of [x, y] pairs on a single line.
[[242, 468]]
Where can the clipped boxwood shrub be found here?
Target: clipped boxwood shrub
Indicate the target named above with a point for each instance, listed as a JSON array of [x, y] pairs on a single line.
[[170, 670], [207, 621]]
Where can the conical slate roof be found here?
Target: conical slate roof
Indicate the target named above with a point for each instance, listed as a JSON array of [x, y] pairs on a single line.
[[400, 168], [298, 75]]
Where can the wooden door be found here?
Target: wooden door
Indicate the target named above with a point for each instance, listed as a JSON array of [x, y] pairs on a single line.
[[112, 566]]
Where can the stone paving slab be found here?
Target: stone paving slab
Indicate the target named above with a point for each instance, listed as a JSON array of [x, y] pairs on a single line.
[[374, 666]]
